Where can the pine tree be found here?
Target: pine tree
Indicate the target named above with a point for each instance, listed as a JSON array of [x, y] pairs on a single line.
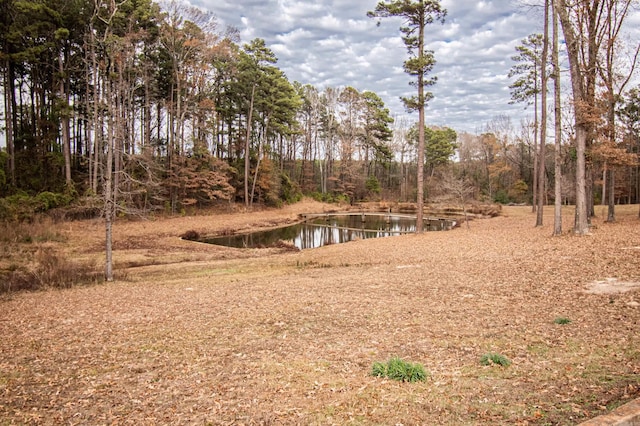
[[416, 15]]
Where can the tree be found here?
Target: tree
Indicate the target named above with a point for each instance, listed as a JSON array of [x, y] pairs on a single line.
[[587, 25], [376, 132], [277, 105], [579, 24], [350, 131], [555, 60], [458, 190], [273, 100], [440, 146], [527, 89], [416, 15], [629, 114], [7, 65], [543, 118], [614, 81]]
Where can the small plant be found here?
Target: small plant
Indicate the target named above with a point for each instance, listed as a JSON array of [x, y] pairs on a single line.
[[491, 358], [400, 370], [562, 320]]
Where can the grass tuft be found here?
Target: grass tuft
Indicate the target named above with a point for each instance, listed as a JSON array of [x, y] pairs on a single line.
[[562, 321], [497, 359], [399, 370]]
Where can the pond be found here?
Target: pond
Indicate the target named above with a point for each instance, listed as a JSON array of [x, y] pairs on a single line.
[[323, 229]]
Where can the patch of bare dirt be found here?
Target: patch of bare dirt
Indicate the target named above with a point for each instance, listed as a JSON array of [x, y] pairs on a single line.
[[612, 286], [200, 334]]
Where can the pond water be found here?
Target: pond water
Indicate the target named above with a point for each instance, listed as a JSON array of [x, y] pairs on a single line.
[[321, 230]]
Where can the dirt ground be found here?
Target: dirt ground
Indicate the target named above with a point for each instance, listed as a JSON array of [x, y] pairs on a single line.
[[195, 334]]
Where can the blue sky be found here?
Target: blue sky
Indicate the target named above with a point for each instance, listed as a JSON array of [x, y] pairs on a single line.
[[334, 43]]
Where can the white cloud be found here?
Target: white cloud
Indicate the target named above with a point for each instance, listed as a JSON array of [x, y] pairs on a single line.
[[332, 43]]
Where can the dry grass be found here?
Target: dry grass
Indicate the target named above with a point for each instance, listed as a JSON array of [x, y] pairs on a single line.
[[210, 335]]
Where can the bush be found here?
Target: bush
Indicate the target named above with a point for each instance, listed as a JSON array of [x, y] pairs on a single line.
[[400, 370], [51, 270], [491, 359], [49, 200], [373, 185], [190, 235], [289, 191], [501, 197], [330, 197], [22, 207], [40, 231]]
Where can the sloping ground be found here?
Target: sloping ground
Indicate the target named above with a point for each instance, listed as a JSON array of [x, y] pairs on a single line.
[[625, 415], [198, 334]]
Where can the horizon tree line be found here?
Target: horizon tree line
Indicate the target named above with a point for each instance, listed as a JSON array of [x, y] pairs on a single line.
[[169, 111]]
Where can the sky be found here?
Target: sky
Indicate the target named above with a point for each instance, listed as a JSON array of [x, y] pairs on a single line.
[[332, 43]]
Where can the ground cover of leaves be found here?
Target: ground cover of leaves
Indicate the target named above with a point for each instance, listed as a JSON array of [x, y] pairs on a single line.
[[191, 333]]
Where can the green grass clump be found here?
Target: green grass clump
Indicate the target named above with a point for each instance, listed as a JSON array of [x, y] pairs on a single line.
[[400, 370], [491, 358], [562, 320]]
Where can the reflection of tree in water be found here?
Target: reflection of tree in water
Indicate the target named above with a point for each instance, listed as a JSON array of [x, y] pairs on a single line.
[[327, 230]]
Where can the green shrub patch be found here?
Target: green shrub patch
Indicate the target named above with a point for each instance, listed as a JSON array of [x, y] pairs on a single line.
[[399, 370]]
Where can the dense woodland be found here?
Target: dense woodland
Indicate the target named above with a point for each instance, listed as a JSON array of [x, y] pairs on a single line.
[[157, 108]]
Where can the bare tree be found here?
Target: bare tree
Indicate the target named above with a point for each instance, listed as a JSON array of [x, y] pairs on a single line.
[[579, 23], [543, 119], [557, 216], [587, 25], [615, 81], [456, 190]]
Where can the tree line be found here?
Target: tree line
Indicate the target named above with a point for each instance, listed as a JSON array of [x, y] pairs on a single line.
[[600, 130], [176, 109], [156, 107]]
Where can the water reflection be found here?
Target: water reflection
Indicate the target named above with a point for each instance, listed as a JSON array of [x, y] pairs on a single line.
[[330, 229]]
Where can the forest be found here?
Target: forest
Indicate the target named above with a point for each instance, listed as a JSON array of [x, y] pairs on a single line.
[[157, 108]]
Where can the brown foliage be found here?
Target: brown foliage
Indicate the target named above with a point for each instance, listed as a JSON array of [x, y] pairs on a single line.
[[48, 269], [201, 181], [214, 335]]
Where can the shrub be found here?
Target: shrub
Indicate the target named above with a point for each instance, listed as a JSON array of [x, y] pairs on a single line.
[[48, 200], [289, 190], [400, 370], [191, 235], [51, 270], [40, 230], [22, 207], [502, 197], [373, 185], [491, 359], [562, 320]]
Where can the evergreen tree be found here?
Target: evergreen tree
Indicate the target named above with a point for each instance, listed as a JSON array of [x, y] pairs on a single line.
[[416, 15]]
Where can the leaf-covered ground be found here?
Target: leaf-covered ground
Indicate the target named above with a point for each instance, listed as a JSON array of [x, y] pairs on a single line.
[[198, 334]]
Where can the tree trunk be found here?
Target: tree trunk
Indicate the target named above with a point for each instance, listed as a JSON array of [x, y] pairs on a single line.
[[247, 152], [146, 141], [580, 98], [9, 99], [543, 119], [64, 122], [611, 213], [260, 145], [420, 165], [108, 193], [536, 126], [557, 216], [97, 116]]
